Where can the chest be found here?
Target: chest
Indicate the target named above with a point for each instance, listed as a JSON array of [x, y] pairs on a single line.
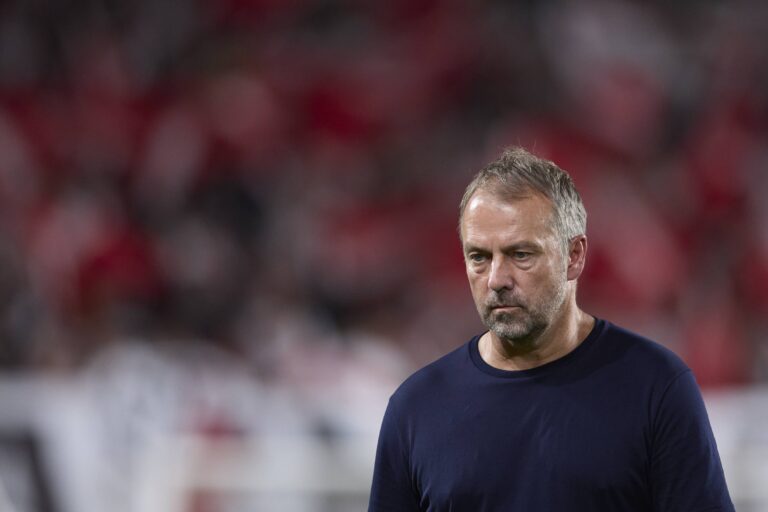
[[534, 450]]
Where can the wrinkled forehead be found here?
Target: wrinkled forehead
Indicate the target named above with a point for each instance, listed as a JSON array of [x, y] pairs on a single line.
[[492, 221], [492, 211]]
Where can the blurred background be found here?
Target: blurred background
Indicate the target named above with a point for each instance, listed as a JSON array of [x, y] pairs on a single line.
[[227, 227]]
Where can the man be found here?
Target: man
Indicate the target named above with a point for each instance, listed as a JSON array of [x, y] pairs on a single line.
[[551, 409]]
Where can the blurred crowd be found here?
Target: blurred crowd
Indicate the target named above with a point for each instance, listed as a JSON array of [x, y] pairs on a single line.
[[278, 180]]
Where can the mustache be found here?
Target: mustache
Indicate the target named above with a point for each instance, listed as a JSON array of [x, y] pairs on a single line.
[[504, 301]]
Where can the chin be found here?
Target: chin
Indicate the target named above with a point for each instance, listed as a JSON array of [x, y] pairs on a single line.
[[515, 331], [510, 332]]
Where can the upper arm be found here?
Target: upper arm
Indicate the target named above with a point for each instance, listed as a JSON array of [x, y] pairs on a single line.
[[392, 488], [685, 469]]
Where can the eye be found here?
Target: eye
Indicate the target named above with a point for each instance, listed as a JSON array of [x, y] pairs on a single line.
[[475, 257], [521, 255]]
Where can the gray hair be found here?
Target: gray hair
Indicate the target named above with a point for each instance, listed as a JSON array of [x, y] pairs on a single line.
[[517, 174]]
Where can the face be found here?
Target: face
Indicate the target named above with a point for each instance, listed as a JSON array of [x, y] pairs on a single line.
[[516, 267]]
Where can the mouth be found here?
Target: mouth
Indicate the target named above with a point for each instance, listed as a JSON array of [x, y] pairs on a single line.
[[504, 308]]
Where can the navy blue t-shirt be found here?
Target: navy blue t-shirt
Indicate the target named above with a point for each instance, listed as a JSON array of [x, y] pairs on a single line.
[[618, 424]]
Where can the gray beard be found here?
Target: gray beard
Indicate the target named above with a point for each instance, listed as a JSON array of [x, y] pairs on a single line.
[[522, 327]]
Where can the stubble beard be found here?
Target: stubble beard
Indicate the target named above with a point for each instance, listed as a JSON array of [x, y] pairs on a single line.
[[524, 325]]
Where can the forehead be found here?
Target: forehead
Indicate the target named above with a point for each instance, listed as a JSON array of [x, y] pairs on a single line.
[[490, 217]]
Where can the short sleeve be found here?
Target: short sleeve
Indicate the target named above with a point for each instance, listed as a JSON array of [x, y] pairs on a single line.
[[685, 469], [392, 489]]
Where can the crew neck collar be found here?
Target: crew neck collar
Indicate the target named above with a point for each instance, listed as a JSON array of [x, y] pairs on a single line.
[[576, 353]]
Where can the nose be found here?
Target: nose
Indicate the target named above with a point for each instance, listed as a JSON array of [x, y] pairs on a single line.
[[500, 276]]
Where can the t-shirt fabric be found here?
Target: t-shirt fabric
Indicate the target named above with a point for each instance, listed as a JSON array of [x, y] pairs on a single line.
[[617, 424]]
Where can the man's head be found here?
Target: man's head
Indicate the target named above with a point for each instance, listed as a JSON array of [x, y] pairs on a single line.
[[522, 227], [518, 174]]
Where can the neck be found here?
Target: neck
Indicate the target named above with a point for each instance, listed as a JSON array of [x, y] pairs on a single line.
[[559, 338]]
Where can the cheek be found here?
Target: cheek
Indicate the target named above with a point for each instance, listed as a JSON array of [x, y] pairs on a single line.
[[473, 276], [534, 281], [477, 284], [548, 281]]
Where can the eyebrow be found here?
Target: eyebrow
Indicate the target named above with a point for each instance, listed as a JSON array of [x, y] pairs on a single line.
[[525, 245]]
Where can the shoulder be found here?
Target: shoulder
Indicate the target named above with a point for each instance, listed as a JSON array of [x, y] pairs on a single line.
[[645, 355], [435, 378]]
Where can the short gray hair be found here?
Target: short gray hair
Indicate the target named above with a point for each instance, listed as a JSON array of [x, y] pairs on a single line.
[[517, 174]]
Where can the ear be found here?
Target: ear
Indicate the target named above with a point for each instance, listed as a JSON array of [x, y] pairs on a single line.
[[577, 256]]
